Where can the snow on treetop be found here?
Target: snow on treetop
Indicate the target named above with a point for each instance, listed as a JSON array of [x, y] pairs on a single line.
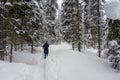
[[112, 9], [8, 3], [113, 43]]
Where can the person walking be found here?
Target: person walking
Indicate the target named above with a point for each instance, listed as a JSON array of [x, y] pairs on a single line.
[[46, 50]]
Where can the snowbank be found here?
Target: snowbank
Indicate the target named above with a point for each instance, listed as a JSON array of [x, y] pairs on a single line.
[[20, 71], [27, 57]]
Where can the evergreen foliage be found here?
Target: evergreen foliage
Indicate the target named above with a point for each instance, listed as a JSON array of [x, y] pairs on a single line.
[[22, 22], [70, 18], [91, 22], [50, 11], [114, 30]]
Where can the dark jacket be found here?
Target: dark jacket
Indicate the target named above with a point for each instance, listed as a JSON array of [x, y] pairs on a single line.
[[45, 47]]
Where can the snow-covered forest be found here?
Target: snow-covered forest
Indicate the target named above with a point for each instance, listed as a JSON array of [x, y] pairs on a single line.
[[82, 36]]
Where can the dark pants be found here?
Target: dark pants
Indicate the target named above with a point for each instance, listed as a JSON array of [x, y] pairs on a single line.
[[45, 55]]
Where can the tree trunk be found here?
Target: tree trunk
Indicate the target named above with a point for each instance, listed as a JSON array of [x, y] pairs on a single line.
[[32, 48], [15, 44], [94, 43], [2, 35], [2, 49], [21, 44], [99, 41], [32, 40], [79, 46], [11, 51], [79, 28], [73, 46], [15, 47]]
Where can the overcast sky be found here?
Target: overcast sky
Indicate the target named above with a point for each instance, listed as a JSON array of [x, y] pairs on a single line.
[[112, 9]]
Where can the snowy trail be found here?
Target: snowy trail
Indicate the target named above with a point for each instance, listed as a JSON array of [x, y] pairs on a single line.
[[65, 64], [61, 64]]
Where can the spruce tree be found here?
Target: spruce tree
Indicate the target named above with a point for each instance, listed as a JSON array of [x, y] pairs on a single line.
[[71, 22], [23, 22], [91, 21], [114, 30], [2, 33], [50, 12]]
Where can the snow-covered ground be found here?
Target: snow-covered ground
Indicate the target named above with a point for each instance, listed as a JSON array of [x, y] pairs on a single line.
[[61, 64]]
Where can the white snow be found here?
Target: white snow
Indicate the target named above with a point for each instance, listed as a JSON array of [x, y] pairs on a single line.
[[113, 43], [59, 3], [112, 9], [20, 71], [62, 64], [106, 0], [8, 3]]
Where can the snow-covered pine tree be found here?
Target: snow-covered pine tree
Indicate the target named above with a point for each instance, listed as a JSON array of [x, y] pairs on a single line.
[[58, 27], [50, 13], [70, 19], [91, 21], [2, 31], [103, 24], [13, 17], [35, 22], [22, 17], [87, 32], [114, 30]]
